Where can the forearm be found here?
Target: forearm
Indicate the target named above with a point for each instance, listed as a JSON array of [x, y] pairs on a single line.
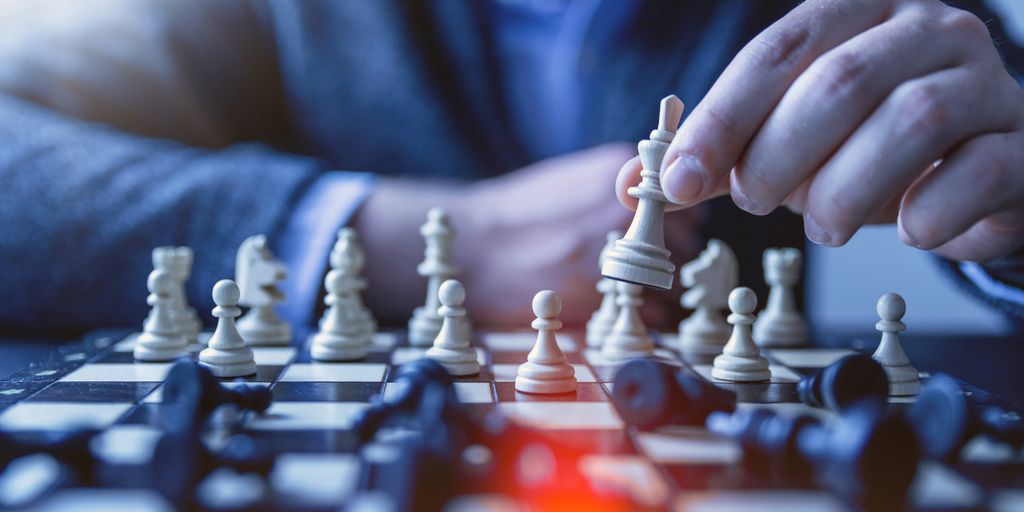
[[83, 206]]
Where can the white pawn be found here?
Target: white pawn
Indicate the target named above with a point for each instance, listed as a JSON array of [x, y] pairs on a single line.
[[628, 338], [437, 267], [741, 359], [601, 322], [545, 370], [161, 339], [343, 334], [227, 354], [781, 324], [451, 346], [903, 378]]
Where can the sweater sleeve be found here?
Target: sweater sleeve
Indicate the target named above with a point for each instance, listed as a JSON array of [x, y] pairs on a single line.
[[125, 125]]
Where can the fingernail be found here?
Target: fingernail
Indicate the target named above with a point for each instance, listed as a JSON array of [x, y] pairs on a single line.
[[683, 180], [746, 203], [906, 238], [815, 232]]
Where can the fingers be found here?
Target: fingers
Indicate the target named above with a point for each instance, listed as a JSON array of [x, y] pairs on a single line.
[[711, 139], [918, 123], [629, 176], [966, 206], [829, 100]]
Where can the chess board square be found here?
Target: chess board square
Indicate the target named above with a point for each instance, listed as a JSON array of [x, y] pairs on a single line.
[[403, 355], [563, 415], [88, 391], [807, 357], [788, 409], [523, 341], [334, 372], [126, 444], [273, 356], [507, 373], [264, 374], [938, 487], [467, 392], [761, 500], [585, 392], [105, 500], [156, 396], [298, 478], [761, 392], [688, 445], [61, 415], [780, 374], [134, 372], [307, 415], [626, 475], [325, 391], [313, 441]]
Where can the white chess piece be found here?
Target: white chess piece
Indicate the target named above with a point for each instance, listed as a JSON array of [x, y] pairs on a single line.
[[437, 267], [781, 324], [545, 370], [710, 278], [629, 337], [257, 272], [741, 359], [601, 321], [178, 261], [640, 256], [227, 354], [451, 346], [343, 334], [903, 378], [161, 339], [348, 236]]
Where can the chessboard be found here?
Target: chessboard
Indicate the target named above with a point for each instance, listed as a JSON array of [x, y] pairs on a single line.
[[317, 460]]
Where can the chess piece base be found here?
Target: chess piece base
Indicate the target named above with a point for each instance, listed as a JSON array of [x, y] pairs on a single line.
[[231, 370], [780, 331], [339, 347], [545, 387], [259, 333], [657, 277], [732, 368], [615, 353], [155, 348], [423, 327], [903, 380], [458, 362]]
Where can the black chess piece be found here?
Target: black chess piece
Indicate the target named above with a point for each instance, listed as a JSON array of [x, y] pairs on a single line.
[[847, 381], [69, 448], [181, 460], [865, 455], [425, 396], [196, 392], [651, 394], [946, 418]]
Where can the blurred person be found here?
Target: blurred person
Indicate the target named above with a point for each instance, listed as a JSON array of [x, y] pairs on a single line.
[[125, 125]]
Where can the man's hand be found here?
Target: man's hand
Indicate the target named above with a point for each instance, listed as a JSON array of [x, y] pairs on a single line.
[[540, 227], [855, 112]]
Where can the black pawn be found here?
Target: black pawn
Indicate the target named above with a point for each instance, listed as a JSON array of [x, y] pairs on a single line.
[[426, 394], [945, 419], [649, 394], [196, 392], [849, 380], [181, 461]]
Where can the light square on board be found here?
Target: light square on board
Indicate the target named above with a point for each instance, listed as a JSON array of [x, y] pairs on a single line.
[[595, 358], [467, 392], [737, 500], [334, 372], [127, 444], [307, 415], [507, 373], [107, 500], [629, 475], [61, 415], [129, 372], [563, 415], [128, 343], [523, 341], [807, 357], [688, 445], [273, 356], [299, 478]]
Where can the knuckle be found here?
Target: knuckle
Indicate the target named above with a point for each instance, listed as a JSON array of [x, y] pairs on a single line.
[[962, 22], [782, 46], [921, 110], [843, 73]]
